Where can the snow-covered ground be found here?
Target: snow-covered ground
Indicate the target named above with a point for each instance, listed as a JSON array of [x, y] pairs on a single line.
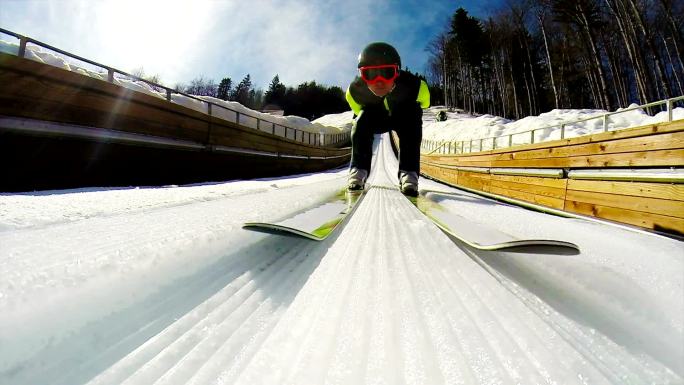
[[161, 285]]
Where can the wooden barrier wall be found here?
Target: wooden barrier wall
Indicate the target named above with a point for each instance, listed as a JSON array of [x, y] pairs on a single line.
[[658, 206], [37, 92]]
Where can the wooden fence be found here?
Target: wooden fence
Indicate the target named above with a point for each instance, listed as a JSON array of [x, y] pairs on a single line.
[[648, 190], [63, 129]]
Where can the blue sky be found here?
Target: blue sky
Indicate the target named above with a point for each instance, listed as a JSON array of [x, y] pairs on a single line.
[[179, 40]]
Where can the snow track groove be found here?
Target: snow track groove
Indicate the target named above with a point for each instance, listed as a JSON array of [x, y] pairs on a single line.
[[388, 299]]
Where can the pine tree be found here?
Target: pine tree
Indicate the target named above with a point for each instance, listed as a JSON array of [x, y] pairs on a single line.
[[241, 93], [276, 92], [224, 89]]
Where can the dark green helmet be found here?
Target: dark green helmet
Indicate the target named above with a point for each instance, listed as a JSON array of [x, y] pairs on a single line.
[[379, 53]]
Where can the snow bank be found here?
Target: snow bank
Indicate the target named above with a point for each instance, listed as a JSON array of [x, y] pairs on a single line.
[[464, 127], [343, 120], [248, 118]]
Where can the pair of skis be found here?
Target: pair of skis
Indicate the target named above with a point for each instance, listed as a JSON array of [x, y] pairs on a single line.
[[318, 222]]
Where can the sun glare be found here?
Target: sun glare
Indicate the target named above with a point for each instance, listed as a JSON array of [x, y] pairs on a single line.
[[154, 34]]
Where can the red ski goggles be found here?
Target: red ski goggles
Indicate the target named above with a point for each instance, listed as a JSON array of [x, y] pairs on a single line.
[[385, 72]]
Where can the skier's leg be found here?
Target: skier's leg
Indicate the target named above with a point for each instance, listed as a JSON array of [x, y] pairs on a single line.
[[364, 127], [409, 125]]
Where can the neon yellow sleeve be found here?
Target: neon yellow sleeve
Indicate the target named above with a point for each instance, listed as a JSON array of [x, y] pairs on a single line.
[[423, 95], [356, 107]]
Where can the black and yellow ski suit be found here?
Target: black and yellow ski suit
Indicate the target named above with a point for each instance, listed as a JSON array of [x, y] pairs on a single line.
[[401, 111]]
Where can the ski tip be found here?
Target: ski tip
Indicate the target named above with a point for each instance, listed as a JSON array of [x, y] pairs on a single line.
[[270, 228]]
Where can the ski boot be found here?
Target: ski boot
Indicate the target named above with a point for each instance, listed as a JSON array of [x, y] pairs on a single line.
[[408, 183], [357, 179]]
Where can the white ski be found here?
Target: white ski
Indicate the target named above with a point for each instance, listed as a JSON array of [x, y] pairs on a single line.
[[315, 223], [474, 234]]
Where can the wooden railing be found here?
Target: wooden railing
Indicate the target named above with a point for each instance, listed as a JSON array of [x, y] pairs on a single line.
[[314, 139], [633, 176]]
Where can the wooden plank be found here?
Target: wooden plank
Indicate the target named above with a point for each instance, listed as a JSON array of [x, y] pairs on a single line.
[[462, 160], [633, 152], [229, 134], [648, 220], [553, 192], [158, 122], [638, 189], [654, 142], [449, 175], [528, 197], [51, 101], [647, 205], [659, 128], [54, 94], [474, 180], [503, 153], [644, 158], [539, 181]]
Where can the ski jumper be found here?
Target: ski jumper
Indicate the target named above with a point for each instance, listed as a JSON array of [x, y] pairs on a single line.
[[400, 111]]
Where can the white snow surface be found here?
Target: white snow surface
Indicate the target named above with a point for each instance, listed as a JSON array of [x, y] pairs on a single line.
[[161, 285], [343, 120]]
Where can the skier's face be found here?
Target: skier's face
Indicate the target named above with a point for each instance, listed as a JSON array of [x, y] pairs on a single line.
[[381, 88]]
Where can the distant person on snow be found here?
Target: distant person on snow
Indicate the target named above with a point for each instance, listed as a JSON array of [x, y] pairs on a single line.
[[385, 98]]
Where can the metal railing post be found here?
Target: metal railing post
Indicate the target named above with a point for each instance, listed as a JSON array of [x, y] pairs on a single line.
[[168, 94], [562, 131], [605, 123], [493, 143], [110, 75], [510, 140], [481, 143], [210, 126], [273, 128], [237, 117], [22, 46], [669, 104], [532, 137], [462, 146]]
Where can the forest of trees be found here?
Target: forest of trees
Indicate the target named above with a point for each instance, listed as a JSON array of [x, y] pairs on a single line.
[[537, 55], [309, 100]]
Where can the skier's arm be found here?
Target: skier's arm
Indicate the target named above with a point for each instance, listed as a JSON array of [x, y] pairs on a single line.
[[356, 107], [423, 95]]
